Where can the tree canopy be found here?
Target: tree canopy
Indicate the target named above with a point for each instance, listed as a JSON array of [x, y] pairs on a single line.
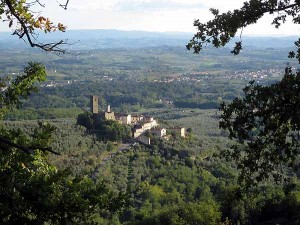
[[265, 123], [32, 190], [266, 126], [223, 27], [105, 130]]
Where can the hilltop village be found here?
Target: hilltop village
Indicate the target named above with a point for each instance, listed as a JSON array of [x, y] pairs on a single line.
[[140, 124]]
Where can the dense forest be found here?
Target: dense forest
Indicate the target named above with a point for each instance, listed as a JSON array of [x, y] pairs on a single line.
[[176, 181], [179, 181]]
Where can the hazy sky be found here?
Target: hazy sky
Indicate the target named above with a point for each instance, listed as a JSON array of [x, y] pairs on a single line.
[[149, 15]]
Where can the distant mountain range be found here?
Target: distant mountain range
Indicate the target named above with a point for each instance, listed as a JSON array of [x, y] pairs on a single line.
[[100, 39]]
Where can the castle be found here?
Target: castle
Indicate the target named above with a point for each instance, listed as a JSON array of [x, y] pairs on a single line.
[[139, 123]]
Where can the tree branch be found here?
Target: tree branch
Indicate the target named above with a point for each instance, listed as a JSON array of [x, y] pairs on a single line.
[[64, 6], [53, 47], [26, 149], [220, 30], [285, 8]]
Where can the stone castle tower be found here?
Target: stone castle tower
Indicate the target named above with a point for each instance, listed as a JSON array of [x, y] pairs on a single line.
[[94, 104], [109, 115]]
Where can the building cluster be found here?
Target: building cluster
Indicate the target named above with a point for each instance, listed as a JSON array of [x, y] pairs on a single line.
[[140, 124]]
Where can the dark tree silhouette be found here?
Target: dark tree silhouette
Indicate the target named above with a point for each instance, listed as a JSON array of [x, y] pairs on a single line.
[[265, 123]]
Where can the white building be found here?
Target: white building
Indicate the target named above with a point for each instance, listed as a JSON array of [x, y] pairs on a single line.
[[126, 119], [123, 118], [159, 132]]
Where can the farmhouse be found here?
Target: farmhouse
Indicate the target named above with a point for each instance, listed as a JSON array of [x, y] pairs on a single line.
[[136, 118], [180, 131], [159, 132], [123, 118]]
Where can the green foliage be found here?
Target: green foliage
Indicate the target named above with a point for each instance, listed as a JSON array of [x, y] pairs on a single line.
[[104, 129], [35, 192], [22, 86], [201, 213], [190, 103], [86, 120], [176, 182], [265, 124], [223, 27], [32, 190], [41, 113], [171, 176]]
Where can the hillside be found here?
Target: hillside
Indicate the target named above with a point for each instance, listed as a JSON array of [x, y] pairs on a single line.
[[102, 39]]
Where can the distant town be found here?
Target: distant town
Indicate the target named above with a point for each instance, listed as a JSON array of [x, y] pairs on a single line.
[[191, 77]]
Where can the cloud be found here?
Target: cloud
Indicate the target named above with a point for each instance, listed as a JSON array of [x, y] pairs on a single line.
[[137, 5], [149, 15], [157, 5], [107, 5]]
